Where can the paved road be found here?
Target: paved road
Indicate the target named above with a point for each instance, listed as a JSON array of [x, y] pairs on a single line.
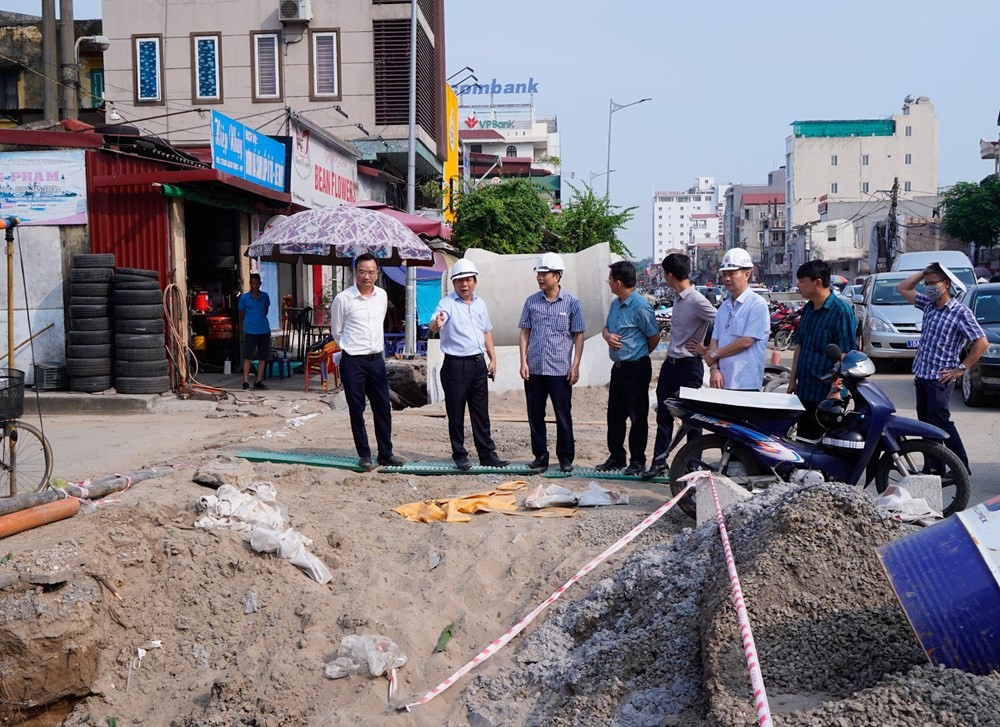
[[980, 430]]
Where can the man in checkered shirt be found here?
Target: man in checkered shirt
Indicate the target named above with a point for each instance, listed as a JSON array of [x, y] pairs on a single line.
[[551, 345], [947, 326]]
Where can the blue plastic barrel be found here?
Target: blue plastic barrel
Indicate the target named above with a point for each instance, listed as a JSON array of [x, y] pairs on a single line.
[[947, 579]]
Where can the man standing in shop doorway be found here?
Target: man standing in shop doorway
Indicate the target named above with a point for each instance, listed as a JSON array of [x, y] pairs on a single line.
[[253, 307], [356, 319]]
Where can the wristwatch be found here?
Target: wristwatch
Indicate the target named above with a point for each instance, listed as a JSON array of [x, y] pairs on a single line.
[[961, 367], [713, 355]]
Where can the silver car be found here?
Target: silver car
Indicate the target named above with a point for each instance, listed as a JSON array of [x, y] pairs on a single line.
[[890, 326]]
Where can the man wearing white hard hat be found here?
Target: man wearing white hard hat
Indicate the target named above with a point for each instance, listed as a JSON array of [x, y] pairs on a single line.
[[469, 357], [551, 345], [735, 356]]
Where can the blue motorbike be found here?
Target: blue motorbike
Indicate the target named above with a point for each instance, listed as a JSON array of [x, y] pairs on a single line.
[[748, 438]]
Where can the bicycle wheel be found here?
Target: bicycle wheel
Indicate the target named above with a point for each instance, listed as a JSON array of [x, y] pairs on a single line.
[[28, 467]]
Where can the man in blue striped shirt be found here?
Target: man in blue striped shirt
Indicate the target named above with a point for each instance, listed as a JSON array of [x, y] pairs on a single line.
[[551, 345], [947, 326], [825, 319]]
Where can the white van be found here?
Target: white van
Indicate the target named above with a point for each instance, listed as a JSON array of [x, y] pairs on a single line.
[[957, 262]]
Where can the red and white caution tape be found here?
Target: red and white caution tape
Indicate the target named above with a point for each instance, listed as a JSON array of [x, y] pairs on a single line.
[[495, 646], [746, 633]]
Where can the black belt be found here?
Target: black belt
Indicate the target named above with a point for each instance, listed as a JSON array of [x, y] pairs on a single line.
[[477, 357], [619, 364], [368, 356], [681, 359]]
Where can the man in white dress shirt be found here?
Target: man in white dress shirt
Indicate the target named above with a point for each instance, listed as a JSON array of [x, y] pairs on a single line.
[[356, 318]]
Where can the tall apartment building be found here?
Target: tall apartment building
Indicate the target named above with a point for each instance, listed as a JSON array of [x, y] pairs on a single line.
[[856, 160], [672, 212]]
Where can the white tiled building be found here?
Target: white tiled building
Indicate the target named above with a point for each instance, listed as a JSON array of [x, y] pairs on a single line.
[[672, 213]]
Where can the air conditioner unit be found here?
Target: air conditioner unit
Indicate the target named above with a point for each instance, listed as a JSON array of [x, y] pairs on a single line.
[[294, 11]]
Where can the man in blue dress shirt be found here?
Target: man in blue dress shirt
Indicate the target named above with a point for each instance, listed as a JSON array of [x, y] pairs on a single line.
[[551, 347], [631, 333], [469, 357]]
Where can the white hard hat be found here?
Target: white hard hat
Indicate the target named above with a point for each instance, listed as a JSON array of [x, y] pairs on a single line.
[[736, 259], [550, 262], [463, 269]]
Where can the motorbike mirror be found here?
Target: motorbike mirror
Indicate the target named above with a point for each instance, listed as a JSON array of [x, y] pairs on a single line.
[[832, 351]]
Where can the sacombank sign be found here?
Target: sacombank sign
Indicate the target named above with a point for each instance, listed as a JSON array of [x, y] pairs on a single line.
[[495, 87]]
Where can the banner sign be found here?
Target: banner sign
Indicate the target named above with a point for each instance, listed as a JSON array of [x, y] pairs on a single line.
[[246, 153], [323, 176], [44, 187]]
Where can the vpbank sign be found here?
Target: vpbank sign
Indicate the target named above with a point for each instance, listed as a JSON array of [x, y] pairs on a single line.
[[495, 87], [472, 122]]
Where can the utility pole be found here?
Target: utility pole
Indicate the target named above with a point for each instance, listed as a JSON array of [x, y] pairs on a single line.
[[50, 61], [891, 231], [67, 39]]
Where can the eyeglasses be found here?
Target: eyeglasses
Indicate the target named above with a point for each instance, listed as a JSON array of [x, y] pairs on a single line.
[[366, 273]]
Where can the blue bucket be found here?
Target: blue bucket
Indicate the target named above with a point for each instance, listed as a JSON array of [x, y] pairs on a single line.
[[947, 579]]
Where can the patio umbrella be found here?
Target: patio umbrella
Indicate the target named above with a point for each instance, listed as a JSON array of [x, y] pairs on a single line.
[[838, 280], [338, 235]]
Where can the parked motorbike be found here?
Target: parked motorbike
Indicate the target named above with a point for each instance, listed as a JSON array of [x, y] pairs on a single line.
[[749, 441], [784, 336]]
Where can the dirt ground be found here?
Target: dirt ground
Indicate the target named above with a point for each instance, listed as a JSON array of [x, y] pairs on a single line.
[[234, 638]]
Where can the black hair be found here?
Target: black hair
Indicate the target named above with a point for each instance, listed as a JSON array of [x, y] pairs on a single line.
[[935, 269], [815, 270], [365, 257], [677, 264], [624, 272], [254, 275]]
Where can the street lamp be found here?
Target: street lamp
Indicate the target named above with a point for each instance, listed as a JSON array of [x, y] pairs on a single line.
[[595, 175], [611, 110], [101, 41]]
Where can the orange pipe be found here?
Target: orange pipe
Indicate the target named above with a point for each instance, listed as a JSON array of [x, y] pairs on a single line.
[[50, 512]]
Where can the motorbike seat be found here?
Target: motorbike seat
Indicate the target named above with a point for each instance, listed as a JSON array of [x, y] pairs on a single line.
[[743, 405]]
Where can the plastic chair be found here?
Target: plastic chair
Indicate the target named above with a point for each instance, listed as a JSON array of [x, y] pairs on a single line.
[[319, 360]]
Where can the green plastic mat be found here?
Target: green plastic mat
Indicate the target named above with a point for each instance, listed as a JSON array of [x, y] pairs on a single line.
[[449, 468], [593, 474], [312, 459]]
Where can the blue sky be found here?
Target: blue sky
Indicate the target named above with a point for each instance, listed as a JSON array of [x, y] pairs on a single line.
[[726, 78]]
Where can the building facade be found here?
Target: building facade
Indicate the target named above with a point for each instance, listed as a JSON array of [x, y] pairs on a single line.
[[857, 160], [672, 213], [341, 67]]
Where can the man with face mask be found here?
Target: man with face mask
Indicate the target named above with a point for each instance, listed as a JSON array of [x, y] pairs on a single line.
[[947, 325]]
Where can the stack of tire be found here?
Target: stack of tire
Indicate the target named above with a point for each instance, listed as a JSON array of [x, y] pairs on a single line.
[[89, 351], [140, 355]]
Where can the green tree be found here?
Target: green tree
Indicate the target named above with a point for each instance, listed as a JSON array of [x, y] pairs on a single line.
[[587, 220], [507, 218], [972, 211]]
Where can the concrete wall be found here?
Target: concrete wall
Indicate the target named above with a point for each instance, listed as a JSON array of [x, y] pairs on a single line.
[[505, 281], [40, 254]]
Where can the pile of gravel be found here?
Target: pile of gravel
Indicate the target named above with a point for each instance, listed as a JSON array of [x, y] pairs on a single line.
[[658, 643]]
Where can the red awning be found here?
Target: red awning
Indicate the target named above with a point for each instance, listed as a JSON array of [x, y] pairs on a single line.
[[425, 228]]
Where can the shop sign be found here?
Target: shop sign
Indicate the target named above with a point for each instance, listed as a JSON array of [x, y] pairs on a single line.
[[44, 187], [246, 153], [323, 175]]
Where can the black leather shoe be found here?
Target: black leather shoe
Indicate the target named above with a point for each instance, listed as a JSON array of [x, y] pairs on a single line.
[[463, 463], [539, 463], [634, 469], [391, 461], [493, 461], [655, 470], [566, 467], [365, 462], [609, 464]]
